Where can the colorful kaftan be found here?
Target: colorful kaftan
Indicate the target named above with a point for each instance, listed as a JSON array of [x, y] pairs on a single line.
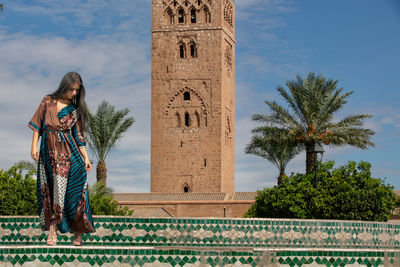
[[62, 190]]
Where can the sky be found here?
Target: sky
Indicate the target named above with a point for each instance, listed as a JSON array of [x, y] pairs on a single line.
[[109, 43]]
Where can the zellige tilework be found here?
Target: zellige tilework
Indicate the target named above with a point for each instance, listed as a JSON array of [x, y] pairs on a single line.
[[126, 241], [212, 232]]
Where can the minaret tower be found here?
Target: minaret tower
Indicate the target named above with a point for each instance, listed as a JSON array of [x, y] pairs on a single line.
[[193, 96]]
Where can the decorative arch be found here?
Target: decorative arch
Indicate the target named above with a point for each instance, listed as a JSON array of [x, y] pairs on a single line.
[[178, 119], [228, 12], [193, 49], [197, 116], [188, 122], [193, 94], [186, 188], [193, 14], [206, 14], [181, 49], [181, 15], [228, 58], [169, 15]]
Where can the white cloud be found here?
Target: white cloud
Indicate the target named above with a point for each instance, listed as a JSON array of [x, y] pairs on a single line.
[[114, 69], [108, 42]]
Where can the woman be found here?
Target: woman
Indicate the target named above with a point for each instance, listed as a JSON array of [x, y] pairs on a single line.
[[63, 162]]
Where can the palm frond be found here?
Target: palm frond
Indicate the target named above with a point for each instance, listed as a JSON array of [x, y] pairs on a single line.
[[106, 127], [26, 165], [312, 102], [275, 145], [100, 188]]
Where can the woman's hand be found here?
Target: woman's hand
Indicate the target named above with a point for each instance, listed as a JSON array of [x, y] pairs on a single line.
[[34, 153], [88, 165]]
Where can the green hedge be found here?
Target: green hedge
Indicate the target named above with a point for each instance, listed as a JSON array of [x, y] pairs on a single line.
[[344, 193], [17, 192], [18, 195]]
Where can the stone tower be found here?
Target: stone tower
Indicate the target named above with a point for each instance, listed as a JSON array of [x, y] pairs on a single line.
[[193, 96]]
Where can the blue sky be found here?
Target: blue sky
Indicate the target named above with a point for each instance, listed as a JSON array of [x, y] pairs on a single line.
[[109, 43]]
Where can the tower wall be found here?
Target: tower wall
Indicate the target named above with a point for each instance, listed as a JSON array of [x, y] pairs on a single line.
[[192, 118]]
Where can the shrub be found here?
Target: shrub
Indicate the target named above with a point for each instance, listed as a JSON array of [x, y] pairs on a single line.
[[102, 203], [17, 193], [345, 193]]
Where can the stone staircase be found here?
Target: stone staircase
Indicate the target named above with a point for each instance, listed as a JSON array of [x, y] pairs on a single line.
[[127, 241]]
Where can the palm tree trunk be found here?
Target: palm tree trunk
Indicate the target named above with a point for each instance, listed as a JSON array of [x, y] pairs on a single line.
[[280, 178], [311, 159], [101, 171]]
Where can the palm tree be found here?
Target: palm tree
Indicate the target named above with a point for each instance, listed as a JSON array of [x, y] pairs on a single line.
[[308, 119], [275, 147], [1, 7], [105, 129], [100, 188], [26, 165]]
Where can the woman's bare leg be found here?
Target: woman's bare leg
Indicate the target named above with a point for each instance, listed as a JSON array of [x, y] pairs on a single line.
[[77, 239], [52, 238]]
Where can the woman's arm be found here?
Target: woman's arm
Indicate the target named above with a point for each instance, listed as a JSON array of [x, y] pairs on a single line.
[[34, 149], [88, 164]]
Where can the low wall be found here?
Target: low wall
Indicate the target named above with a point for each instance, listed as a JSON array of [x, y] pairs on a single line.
[[215, 232], [127, 241], [224, 209]]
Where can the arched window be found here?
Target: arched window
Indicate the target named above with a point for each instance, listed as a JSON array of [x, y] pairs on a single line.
[[178, 119], [181, 15], [175, 2], [187, 119], [186, 188], [197, 118], [198, 2], [186, 96], [193, 50], [206, 15], [182, 50], [193, 16], [205, 120], [170, 16]]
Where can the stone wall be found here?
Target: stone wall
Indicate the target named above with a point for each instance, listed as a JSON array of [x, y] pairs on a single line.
[[193, 96]]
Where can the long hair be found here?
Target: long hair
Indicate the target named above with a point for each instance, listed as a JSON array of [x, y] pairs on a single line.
[[79, 100]]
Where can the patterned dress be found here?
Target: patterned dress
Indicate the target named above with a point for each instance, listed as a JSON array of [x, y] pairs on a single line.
[[62, 190]]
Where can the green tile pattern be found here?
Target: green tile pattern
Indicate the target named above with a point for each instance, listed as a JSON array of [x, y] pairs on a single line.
[[188, 257], [213, 232]]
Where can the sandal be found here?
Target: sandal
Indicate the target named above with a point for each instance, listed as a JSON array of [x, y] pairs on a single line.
[[77, 239], [52, 238]]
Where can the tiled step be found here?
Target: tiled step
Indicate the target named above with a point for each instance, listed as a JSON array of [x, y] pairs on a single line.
[[126, 241], [212, 232], [150, 256]]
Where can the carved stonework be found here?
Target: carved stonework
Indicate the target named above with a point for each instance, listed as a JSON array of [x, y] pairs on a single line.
[[172, 11], [186, 103], [228, 128], [228, 59], [228, 12]]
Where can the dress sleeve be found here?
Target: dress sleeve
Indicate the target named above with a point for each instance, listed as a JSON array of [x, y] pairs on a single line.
[[36, 123], [78, 134]]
